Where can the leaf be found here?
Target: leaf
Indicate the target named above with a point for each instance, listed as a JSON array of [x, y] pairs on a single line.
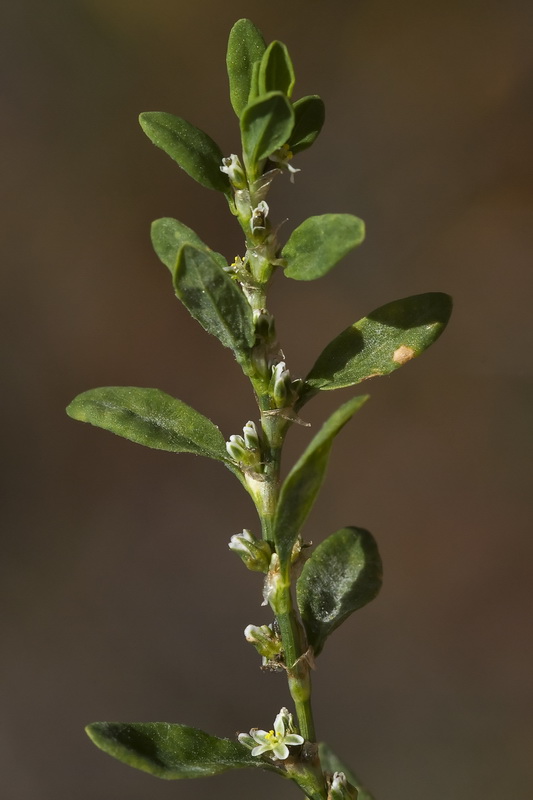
[[172, 751], [309, 115], [380, 343], [301, 486], [342, 575], [214, 299], [254, 84], [169, 236], [150, 417], [192, 149], [245, 47], [266, 125], [319, 243], [331, 763], [276, 73]]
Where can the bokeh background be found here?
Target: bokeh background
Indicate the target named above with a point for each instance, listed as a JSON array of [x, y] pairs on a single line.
[[120, 599]]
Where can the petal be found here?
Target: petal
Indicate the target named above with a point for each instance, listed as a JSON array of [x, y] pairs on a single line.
[[279, 725], [281, 751], [259, 735], [258, 751], [293, 738]]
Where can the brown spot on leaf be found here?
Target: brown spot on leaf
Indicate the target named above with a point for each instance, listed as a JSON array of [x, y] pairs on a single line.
[[403, 354]]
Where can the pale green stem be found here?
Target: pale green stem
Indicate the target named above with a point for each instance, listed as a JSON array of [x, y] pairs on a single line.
[[274, 428]]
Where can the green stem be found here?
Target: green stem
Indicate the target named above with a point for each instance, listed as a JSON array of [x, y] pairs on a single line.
[[298, 673], [266, 494], [291, 630]]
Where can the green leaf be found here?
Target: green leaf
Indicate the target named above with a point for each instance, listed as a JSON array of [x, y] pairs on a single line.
[[245, 48], [302, 484], [319, 243], [380, 343], [266, 125], [192, 149], [214, 299], [342, 575], [150, 417], [331, 763], [276, 73], [169, 236], [309, 115], [172, 751]]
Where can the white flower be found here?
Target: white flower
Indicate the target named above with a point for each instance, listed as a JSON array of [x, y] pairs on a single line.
[[277, 739], [282, 157], [233, 169]]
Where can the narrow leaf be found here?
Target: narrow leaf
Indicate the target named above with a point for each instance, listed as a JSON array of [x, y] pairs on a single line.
[[319, 243], [342, 575], [276, 73], [266, 125], [331, 763], [301, 486], [245, 47], [214, 299], [309, 115], [150, 417], [169, 236], [192, 149], [380, 343], [172, 751]]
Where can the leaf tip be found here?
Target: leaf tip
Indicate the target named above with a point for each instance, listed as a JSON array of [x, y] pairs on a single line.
[[95, 732], [144, 119], [75, 409]]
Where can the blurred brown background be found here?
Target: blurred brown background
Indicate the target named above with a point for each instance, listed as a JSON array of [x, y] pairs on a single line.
[[120, 599]]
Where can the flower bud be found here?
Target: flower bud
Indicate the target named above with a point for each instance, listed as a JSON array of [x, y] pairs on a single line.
[[264, 640], [233, 169], [274, 586], [340, 789], [259, 216], [236, 448], [280, 384], [260, 361], [288, 721], [251, 439], [264, 324], [255, 553]]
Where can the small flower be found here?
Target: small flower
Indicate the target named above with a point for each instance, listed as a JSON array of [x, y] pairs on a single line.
[[278, 740], [251, 439], [233, 169], [236, 448], [256, 554], [340, 789], [281, 384], [265, 641], [259, 215], [282, 157], [237, 266]]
